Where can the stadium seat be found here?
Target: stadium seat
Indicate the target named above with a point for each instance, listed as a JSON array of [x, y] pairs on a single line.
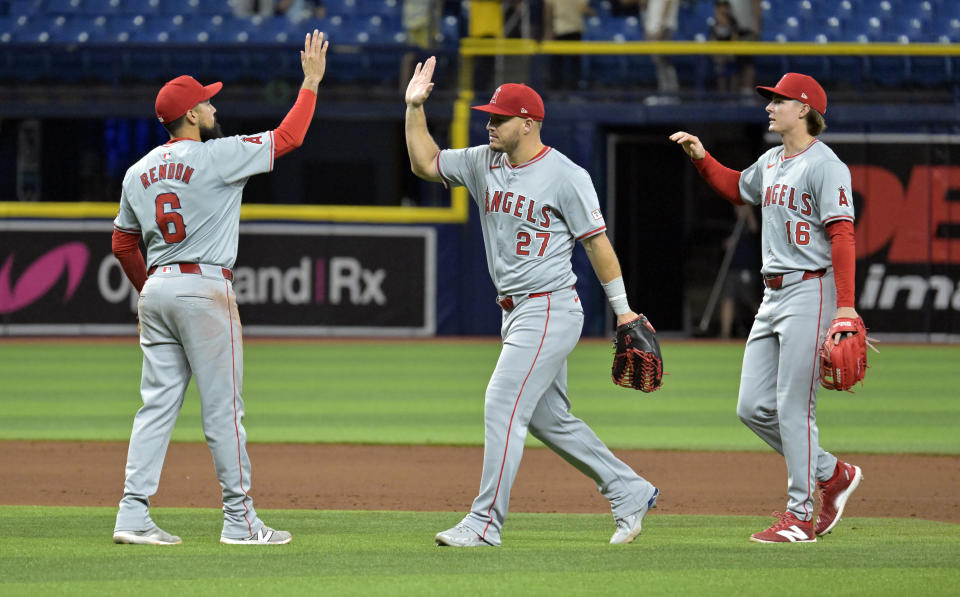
[[101, 7], [341, 8], [943, 30], [78, 29], [841, 10], [914, 9], [948, 9], [25, 7], [61, 7], [140, 7], [790, 29], [273, 30], [24, 29], [386, 9], [128, 28], [695, 21], [216, 7], [449, 34], [180, 7]]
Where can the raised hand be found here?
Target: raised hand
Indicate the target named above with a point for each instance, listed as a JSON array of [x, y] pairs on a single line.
[[691, 145], [313, 58], [421, 83]]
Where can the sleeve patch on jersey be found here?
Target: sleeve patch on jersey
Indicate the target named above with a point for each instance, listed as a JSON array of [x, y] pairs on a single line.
[[596, 214], [252, 139], [843, 196]]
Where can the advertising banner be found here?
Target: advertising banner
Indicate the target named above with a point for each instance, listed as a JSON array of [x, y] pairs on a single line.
[[60, 277], [907, 197]]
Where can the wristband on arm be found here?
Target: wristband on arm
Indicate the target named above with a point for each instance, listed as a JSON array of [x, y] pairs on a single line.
[[617, 295]]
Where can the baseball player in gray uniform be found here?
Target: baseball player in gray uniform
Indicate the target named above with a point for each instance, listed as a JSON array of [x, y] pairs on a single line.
[[183, 199], [808, 245], [534, 204]]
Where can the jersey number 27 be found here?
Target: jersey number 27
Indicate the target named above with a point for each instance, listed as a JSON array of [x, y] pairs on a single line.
[[170, 222], [524, 240]]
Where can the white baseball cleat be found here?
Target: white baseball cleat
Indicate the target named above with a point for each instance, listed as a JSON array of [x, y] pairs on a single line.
[[460, 536], [628, 527], [265, 536], [154, 536]]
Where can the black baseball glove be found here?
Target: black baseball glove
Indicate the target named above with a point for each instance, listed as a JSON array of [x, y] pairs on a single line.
[[637, 362]]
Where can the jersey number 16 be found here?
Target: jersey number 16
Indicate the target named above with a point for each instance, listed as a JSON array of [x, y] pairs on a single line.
[[801, 232]]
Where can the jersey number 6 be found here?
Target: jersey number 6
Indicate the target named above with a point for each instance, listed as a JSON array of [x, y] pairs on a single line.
[[523, 241], [170, 222]]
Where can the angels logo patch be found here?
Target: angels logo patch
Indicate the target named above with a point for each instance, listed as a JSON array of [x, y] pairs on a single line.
[[251, 139], [843, 196]]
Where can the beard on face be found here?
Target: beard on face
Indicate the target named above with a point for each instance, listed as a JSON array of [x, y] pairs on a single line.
[[213, 132]]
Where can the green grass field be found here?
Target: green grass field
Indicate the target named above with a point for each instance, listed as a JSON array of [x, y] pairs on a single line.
[[432, 393], [65, 551]]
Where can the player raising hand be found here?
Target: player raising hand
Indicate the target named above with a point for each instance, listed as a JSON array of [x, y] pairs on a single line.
[[183, 200], [534, 205], [803, 190]]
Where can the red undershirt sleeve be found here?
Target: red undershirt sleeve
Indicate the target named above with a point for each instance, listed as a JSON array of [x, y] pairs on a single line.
[[126, 248], [289, 135], [721, 179], [843, 252]]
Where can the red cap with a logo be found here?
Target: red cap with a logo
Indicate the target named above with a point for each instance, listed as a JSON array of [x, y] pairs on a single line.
[[515, 99], [802, 88], [178, 96]]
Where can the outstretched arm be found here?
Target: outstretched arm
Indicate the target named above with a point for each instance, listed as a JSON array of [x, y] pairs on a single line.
[[723, 180], [607, 267], [421, 147], [313, 58]]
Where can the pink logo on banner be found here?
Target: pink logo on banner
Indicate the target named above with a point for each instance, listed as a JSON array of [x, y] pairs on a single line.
[[41, 275]]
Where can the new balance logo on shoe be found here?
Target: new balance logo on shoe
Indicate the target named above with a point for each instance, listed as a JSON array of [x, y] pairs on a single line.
[[787, 529], [794, 534]]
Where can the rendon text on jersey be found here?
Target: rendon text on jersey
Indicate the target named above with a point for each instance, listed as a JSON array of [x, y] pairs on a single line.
[[177, 171]]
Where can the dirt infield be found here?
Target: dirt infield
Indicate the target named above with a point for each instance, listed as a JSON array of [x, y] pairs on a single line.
[[440, 478]]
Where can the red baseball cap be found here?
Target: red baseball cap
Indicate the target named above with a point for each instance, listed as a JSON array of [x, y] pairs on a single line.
[[178, 96], [515, 99], [802, 88]]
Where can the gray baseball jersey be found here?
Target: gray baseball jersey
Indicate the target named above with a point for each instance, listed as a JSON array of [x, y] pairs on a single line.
[[532, 214], [186, 188], [184, 198], [798, 196]]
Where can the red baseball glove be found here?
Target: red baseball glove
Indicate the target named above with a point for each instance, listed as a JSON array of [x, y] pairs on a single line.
[[637, 362], [843, 363]]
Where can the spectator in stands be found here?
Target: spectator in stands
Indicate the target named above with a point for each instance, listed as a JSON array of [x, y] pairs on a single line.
[[298, 10], [724, 28], [249, 8], [563, 20], [659, 24], [420, 19], [748, 15]]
